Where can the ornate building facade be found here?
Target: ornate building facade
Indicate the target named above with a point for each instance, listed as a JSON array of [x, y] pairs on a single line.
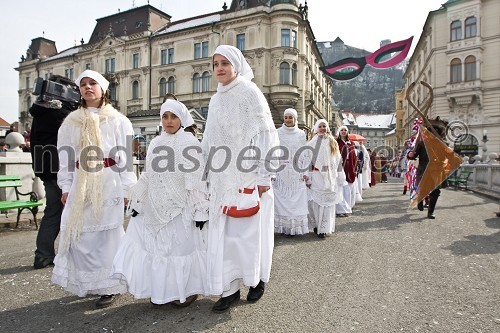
[[458, 54], [146, 55]]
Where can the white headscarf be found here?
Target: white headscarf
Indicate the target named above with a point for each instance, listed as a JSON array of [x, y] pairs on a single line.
[[236, 59], [93, 75], [291, 111], [315, 128], [179, 109]]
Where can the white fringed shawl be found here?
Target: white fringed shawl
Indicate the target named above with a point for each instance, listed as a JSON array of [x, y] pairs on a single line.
[[89, 184]]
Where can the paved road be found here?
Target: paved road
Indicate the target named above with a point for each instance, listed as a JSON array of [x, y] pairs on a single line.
[[385, 269]]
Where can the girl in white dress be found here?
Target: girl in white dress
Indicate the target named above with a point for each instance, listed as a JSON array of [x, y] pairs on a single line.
[[94, 177], [290, 191], [163, 256], [325, 185], [240, 237]]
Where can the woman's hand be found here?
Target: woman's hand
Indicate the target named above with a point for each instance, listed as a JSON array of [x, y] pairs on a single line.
[[125, 201], [64, 198], [262, 189]]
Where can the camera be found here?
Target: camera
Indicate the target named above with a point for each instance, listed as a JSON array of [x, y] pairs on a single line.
[[48, 90]]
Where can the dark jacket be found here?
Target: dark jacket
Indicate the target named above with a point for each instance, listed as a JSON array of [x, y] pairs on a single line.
[[46, 123]]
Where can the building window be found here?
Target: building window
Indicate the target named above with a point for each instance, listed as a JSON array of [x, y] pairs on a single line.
[[171, 85], [284, 73], [196, 83], [294, 74], [456, 71], [285, 37], [163, 56], [456, 30], [28, 82], [204, 111], [88, 66], [69, 73], [204, 50], [135, 90], [470, 68], [197, 50], [112, 92], [170, 56], [205, 82], [163, 86], [294, 38], [240, 42], [109, 65], [28, 103], [135, 60], [470, 27]]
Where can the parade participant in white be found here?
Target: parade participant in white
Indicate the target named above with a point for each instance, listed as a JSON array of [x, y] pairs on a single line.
[[239, 122], [326, 180], [162, 256], [367, 170], [290, 191], [94, 178]]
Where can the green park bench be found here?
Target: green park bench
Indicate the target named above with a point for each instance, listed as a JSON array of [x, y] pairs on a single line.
[[9, 181], [460, 180]]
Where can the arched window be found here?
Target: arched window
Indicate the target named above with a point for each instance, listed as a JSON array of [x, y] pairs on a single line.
[[470, 27], [470, 68], [171, 85], [456, 71], [135, 90], [205, 81], [163, 86], [284, 73], [196, 83], [294, 74], [456, 30]]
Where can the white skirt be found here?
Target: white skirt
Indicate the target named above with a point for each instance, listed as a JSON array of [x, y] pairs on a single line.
[[290, 214], [322, 217], [86, 267], [164, 267]]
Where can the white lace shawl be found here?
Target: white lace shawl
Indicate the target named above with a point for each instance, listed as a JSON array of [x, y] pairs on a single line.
[[238, 117], [171, 183], [290, 178]]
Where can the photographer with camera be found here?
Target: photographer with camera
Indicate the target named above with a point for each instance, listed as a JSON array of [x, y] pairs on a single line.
[[48, 112]]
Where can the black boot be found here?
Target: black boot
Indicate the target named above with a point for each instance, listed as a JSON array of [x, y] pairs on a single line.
[[404, 190], [420, 206], [432, 206]]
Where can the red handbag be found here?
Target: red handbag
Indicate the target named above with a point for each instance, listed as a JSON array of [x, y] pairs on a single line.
[[248, 204]]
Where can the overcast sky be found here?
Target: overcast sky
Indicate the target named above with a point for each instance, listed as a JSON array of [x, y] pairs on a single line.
[[359, 23]]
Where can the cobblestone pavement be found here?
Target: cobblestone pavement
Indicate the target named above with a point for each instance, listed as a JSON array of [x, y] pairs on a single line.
[[385, 269]]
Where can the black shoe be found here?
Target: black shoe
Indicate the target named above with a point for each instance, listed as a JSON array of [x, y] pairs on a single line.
[[255, 293], [431, 216], [322, 235], [420, 206], [105, 301], [42, 262], [224, 303], [315, 230]]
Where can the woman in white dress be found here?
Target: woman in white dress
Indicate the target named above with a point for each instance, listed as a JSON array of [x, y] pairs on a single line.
[[94, 177], [290, 191], [324, 182], [162, 256], [238, 142]]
